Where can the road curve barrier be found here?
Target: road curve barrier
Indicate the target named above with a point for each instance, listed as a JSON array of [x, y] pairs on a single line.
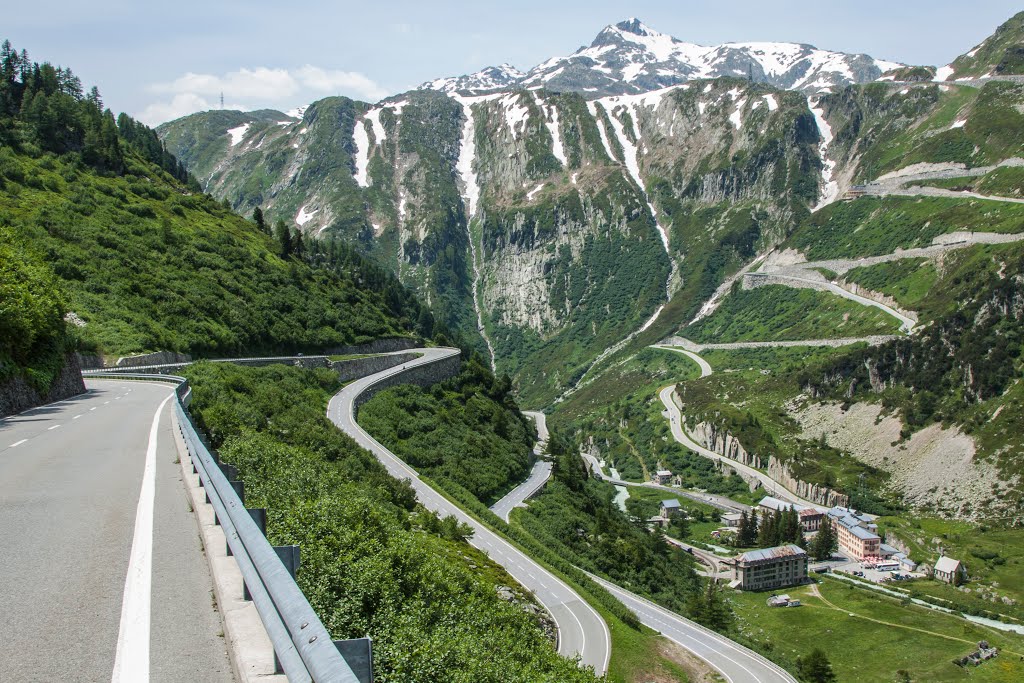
[[303, 647]]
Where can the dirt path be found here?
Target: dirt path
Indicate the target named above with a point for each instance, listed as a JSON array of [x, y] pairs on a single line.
[[817, 592]]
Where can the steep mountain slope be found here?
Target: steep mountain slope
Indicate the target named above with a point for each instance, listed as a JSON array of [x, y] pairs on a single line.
[[580, 212], [142, 261], [1001, 54], [548, 227], [630, 58]]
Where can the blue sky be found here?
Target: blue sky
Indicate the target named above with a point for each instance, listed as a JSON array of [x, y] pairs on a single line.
[[163, 60]]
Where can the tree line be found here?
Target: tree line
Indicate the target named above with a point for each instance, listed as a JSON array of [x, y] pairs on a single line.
[[44, 107]]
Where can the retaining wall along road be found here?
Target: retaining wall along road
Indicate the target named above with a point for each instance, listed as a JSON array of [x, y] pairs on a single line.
[[16, 394], [421, 375]]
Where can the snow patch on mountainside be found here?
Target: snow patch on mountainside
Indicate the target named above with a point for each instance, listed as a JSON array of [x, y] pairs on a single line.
[[379, 135], [773, 104], [944, 72], [829, 187], [238, 134], [515, 113], [620, 106], [304, 216], [551, 121], [593, 108], [362, 143]]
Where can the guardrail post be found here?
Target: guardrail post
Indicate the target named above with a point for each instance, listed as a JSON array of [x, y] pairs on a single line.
[[358, 652], [259, 515], [289, 555], [239, 488], [230, 471]]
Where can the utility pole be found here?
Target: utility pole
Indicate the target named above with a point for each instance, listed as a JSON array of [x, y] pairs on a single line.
[[221, 99]]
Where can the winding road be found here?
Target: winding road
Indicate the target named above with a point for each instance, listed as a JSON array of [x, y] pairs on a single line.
[[675, 418], [581, 630], [102, 564], [539, 475], [735, 662], [813, 280]]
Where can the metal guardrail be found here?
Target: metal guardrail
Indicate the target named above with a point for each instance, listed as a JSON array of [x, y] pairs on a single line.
[[303, 646]]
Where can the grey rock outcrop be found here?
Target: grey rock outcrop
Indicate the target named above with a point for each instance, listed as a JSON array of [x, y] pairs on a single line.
[[17, 395]]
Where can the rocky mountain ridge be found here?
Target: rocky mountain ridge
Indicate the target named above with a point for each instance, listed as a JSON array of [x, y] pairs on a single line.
[[548, 227], [630, 58]]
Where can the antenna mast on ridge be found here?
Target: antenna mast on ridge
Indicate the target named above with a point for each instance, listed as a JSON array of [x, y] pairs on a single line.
[[221, 99]]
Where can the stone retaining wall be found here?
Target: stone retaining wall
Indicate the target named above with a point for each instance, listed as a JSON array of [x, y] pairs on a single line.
[[387, 345], [155, 358], [17, 395], [357, 368], [421, 375]]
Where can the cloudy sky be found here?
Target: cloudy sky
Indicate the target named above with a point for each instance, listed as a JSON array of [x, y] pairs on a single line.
[[158, 61]]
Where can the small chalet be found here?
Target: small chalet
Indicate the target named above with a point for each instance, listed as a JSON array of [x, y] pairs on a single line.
[[662, 477], [670, 508], [950, 571]]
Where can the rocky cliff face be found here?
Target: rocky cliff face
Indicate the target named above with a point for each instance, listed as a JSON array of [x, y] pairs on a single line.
[[547, 224], [719, 440]]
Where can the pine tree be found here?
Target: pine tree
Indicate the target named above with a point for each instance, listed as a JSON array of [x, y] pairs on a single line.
[[284, 238], [259, 220], [815, 668], [750, 538], [825, 541]]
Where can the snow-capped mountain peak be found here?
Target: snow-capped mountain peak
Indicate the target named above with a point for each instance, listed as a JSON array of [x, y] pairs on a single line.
[[486, 80], [630, 57]]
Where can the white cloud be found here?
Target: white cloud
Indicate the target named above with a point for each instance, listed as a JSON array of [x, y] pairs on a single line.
[[255, 88], [260, 82], [322, 80]]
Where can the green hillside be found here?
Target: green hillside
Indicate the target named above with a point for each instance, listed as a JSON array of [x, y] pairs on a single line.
[[148, 263]]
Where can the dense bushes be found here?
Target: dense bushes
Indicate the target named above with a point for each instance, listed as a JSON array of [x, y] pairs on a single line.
[[467, 431], [33, 338], [372, 562]]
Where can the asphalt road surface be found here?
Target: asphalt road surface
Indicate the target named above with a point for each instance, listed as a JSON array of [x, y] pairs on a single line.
[[539, 475], [581, 630], [101, 555], [737, 663]]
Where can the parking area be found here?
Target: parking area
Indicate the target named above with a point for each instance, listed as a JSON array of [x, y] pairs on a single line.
[[870, 572]]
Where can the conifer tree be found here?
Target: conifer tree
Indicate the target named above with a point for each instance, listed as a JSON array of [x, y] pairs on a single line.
[[815, 668], [259, 220], [284, 238]]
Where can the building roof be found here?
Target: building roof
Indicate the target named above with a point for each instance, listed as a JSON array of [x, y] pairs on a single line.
[[772, 553], [810, 512], [947, 564], [664, 473], [733, 515], [777, 504], [862, 533], [670, 503]]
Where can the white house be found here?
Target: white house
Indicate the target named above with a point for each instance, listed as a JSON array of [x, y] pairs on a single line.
[[949, 570]]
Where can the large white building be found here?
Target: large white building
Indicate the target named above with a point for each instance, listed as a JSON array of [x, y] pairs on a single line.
[[769, 568], [857, 533]]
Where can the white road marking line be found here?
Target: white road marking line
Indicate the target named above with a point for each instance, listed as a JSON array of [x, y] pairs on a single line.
[[131, 663], [106, 402], [77, 416], [17, 443], [52, 428], [93, 408]]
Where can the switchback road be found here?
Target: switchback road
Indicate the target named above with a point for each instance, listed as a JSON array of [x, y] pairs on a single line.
[[581, 630], [735, 662]]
